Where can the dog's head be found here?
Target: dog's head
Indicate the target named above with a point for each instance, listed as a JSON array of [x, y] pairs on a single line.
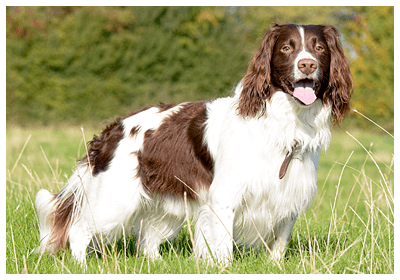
[[305, 61]]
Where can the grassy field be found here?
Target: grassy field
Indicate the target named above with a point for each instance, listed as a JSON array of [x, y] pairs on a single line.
[[348, 229]]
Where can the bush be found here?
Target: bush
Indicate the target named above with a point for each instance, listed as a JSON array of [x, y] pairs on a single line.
[[90, 63]]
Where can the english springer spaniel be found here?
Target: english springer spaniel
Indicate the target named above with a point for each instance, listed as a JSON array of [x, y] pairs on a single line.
[[244, 167]]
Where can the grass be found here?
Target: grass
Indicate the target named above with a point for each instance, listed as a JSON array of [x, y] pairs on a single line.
[[349, 228]]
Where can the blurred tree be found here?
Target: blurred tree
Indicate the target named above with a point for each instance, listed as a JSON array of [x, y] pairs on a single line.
[[370, 32]]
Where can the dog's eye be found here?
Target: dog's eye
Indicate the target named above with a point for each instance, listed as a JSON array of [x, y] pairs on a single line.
[[286, 49], [319, 48]]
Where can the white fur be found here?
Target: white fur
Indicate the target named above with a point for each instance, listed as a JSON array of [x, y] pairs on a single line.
[[45, 205]]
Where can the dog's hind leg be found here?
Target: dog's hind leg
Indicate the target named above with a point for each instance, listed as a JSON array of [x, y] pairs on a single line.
[[79, 239], [154, 225]]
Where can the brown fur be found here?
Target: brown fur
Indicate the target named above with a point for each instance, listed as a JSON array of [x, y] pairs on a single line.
[[171, 149], [102, 147], [257, 85], [340, 85], [62, 220]]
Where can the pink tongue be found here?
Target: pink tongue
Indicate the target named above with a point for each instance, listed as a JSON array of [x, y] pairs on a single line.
[[305, 95]]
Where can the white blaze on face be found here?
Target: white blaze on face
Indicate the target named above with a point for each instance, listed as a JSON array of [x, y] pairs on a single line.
[[304, 85]]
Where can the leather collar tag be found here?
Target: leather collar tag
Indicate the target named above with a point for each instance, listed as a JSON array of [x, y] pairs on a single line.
[[285, 164]]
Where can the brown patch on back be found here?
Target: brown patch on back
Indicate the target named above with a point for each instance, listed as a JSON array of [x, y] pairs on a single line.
[[176, 149], [102, 147]]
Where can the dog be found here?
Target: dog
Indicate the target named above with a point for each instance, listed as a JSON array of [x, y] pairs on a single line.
[[244, 167]]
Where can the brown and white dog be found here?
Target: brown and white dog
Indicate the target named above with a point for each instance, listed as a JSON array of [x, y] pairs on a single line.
[[247, 164]]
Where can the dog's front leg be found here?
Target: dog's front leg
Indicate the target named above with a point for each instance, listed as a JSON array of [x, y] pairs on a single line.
[[282, 237], [214, 230]]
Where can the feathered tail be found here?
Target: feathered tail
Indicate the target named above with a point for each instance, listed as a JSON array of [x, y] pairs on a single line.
[[57, 212]]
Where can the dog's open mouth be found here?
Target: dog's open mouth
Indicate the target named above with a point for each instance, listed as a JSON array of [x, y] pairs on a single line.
[[304, 91]]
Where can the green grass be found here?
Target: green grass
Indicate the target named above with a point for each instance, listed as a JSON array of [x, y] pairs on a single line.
[[349, 228]]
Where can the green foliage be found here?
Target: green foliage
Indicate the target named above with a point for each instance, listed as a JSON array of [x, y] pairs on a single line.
[[371, 35], [80, 64]]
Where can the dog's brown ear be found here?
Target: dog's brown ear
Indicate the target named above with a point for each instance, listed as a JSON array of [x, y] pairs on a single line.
[[340, 85], [257, 82]]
